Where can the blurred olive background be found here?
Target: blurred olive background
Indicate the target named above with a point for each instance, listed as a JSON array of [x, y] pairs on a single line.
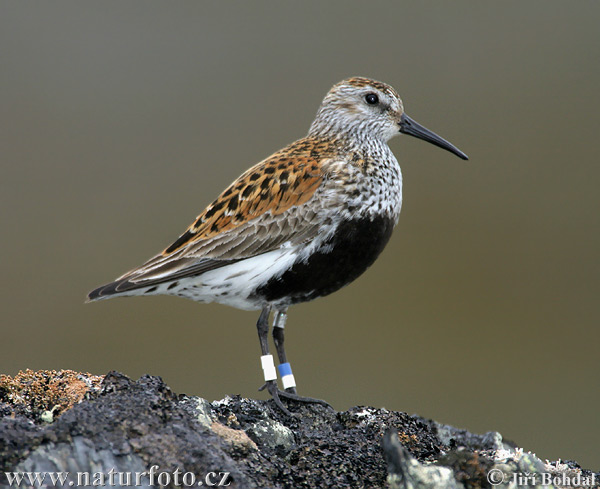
[[120, 121]]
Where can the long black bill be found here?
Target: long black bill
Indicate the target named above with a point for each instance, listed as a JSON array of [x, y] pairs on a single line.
[[412, 128]]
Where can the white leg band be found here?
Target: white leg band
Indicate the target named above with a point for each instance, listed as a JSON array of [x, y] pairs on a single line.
[[288, 381], [268, 367]]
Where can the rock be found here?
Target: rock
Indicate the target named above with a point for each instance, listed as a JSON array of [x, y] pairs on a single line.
[[406, 473], [121, 433]]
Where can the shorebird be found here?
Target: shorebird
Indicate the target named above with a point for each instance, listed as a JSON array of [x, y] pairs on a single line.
[[299, 225]]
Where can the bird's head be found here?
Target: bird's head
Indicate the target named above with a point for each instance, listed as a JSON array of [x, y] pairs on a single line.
[[362, 109]]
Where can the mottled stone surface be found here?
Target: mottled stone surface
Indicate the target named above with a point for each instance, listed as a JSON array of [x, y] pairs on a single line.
[[130, 426]]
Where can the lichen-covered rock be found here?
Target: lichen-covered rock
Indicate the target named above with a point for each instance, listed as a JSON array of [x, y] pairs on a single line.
[[128, 426], [405, 472], [44, 394], [124, 428]]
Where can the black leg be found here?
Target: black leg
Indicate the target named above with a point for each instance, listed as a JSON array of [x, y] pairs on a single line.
[[262, 326], [278, 339]]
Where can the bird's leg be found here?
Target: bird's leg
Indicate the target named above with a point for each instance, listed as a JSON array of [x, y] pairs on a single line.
[[262, 326], [287, 378], [269, 371], [285, 370]]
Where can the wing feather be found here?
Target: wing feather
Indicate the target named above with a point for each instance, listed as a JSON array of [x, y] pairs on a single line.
[[259, 212]]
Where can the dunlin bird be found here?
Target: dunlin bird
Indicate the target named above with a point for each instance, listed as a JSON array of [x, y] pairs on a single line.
[[299, 225]]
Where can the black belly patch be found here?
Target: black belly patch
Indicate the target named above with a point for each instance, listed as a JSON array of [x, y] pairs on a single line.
[[354, 247]]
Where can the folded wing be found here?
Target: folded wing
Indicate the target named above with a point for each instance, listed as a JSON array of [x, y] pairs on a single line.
[[259, 212]]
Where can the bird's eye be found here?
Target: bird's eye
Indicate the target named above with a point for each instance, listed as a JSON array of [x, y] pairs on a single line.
[[372, 98]]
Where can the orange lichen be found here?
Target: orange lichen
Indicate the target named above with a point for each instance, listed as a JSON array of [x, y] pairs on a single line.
[[407, 439], [43, 391]]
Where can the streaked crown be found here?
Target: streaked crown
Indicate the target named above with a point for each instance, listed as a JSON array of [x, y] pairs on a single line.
[[359, 108]]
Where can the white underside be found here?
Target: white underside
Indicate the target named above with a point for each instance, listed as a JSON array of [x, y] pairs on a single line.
[[234, 285]]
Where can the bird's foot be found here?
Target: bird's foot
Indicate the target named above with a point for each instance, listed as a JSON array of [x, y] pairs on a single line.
[[290, 394]]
